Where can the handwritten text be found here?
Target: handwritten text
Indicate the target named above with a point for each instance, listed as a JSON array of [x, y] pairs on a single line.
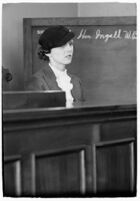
[[100, 35]]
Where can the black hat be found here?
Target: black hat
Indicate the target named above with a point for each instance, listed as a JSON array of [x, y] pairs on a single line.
[[55, 36]]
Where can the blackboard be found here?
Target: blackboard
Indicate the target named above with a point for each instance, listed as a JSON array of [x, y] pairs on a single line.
[[104, 55]]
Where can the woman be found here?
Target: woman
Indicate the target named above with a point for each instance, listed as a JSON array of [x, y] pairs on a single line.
[[56, 46]]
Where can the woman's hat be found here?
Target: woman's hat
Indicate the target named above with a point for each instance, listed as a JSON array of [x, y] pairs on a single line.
[[55, 36]]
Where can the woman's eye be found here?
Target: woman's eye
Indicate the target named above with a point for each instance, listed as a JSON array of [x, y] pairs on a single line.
[[64, 45], [71, 43]]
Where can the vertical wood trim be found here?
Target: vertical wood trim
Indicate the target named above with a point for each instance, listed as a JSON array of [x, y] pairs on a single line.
[[18, 178], [33, 174], [94, 169], [28, 173], [132, 162], [96, 133], [83, 172]]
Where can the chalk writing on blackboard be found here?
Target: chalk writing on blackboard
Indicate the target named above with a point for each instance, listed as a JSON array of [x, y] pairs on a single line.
[[83, 35], [117, 34], [98, 34]]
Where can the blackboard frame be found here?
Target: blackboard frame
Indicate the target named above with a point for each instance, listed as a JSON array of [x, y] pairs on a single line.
[[29, 23]]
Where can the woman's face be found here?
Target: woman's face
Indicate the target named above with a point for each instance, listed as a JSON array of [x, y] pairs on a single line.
[[62, 55]]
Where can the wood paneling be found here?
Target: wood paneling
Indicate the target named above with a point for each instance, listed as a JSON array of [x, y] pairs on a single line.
[[88, 151], [115, 168], [12, 176], [60, 173], [118, 130], [33, 99]]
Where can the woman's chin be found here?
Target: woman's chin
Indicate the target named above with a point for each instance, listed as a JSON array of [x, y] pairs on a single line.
[[68, 61]]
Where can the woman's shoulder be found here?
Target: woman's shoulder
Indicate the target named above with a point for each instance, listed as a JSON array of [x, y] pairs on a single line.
[[74, 77], [35, 80], [43, 70]]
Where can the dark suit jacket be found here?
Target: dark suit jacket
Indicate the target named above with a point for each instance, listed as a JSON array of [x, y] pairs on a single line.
[[45, 79]]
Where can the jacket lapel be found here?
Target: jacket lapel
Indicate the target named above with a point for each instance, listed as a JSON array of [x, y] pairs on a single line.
[[50, 78], [74, 91]]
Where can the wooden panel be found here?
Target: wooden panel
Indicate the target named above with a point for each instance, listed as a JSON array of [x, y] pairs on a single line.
[[60, 173], [104, 162], [12, 177], [32, 99], [115, 168], [118, 130]]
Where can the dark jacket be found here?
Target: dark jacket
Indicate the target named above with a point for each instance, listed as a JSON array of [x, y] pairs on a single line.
[[45, 79]]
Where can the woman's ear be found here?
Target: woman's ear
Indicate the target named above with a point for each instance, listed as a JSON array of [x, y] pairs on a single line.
[[48, 54]]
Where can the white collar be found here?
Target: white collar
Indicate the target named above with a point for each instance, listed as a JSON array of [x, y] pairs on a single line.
[[58, 72]]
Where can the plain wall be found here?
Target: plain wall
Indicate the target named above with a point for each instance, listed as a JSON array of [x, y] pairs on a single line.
[[12, 26], [106, 9]]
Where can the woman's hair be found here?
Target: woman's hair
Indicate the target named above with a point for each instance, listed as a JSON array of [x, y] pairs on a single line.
[[42, 54]]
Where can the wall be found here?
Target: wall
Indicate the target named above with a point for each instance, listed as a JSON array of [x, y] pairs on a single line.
[[12, 32], [12, 26], [106, 9]]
